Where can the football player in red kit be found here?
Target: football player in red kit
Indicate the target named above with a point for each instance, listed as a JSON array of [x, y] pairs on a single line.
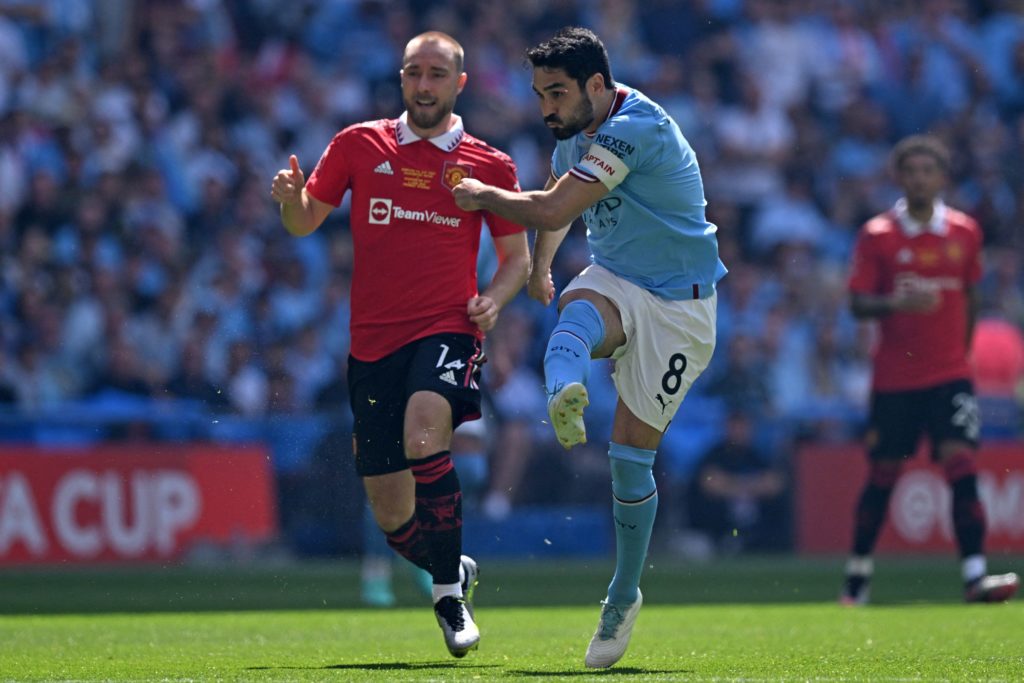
[[915, 270], [417, 319]]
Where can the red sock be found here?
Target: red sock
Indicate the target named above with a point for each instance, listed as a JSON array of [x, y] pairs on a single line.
[[439, 511]]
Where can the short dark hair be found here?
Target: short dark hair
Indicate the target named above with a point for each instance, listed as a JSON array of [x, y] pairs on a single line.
[[578, 51], [920, 144]]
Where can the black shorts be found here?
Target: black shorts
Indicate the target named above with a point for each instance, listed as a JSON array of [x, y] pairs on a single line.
[[947, 412], [446, 364]]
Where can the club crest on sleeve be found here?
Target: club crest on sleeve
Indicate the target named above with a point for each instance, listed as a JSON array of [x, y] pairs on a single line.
[[452, 173]]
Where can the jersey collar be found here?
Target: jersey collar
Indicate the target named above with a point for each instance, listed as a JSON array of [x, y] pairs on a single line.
[[446, 141], [913, 228], [613, 108]]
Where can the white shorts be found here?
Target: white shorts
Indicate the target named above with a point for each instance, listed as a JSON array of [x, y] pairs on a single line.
[[668, 344]]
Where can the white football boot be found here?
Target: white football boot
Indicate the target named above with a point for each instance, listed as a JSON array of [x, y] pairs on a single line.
[[469, 577], [460, 632], [613, 631]]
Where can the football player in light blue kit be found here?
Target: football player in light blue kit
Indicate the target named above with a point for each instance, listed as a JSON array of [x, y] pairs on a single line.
[[648, 300]]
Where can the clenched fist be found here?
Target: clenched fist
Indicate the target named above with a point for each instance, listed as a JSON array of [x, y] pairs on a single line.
[[483, 312], [541, 286], [465, 194]]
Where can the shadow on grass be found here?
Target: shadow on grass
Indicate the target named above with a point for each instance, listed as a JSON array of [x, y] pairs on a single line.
[[618, 671], [380, 666]]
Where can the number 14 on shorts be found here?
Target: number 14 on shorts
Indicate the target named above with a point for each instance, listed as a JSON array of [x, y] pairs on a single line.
[[456, 364]]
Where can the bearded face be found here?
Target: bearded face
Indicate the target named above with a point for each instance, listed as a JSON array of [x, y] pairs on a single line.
[[427, 109], [564, 105], [565, 126], [431, 82]]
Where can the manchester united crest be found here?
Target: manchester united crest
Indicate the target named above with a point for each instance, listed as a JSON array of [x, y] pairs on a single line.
[[453, 174], [928, 257]]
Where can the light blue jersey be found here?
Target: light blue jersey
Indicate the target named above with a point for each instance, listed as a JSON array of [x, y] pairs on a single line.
[[650, 228]]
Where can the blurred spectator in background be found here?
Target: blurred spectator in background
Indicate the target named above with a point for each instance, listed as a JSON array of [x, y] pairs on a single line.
[[754, 141], [737, 495], [788, 222], [519, 411]]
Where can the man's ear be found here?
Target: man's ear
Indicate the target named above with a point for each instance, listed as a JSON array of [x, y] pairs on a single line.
[[596, 84]]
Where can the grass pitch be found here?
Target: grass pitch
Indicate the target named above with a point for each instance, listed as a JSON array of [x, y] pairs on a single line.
[[746, 619]]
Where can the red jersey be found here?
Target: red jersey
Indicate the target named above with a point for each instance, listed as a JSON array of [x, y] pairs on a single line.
[[918, 350], [415, 250]]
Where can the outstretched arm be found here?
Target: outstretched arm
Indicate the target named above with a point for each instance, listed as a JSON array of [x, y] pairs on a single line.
[[513, 266], [301, 212], [549, 210]]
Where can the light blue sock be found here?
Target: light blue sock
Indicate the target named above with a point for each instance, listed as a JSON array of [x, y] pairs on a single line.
[[579, 331], [634, 506]]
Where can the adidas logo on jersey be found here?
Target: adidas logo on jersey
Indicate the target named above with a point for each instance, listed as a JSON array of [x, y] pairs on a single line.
[[449, 377], [384, 168]]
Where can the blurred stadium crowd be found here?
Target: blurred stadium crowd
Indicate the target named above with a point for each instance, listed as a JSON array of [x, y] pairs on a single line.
[[143, 261]]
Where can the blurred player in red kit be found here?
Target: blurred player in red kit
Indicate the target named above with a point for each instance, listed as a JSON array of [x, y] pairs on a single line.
[[915, 269]]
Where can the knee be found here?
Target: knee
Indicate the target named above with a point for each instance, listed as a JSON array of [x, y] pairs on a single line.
[[422, 447], [428, 425], [428, 435], [957, 460]]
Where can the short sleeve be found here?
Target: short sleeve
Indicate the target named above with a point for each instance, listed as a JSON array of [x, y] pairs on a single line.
[[612, 155], [332, 175], [865, 274]]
